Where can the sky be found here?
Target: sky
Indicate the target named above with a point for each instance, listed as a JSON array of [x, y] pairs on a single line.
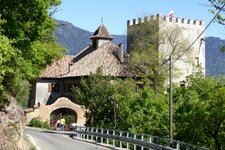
[[87, 14]]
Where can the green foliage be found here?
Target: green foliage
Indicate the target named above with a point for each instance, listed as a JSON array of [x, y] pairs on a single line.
[[217, 5], [144, 56], [69, 119], [37, 122], [200, 109], [115, 103], [27, 44], [148, 114], [96, 93]]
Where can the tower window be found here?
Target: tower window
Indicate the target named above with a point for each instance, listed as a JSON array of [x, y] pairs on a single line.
[[197, 61], [94, 44]]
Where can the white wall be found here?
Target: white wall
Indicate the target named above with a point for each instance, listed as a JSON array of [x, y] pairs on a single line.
[[42, 93], [188, 31]]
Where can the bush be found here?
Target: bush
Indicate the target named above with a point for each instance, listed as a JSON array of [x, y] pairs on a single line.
[[38, 123], [69, 119]]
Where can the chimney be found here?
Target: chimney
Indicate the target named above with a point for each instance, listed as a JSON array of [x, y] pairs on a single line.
[[69, 66], [120, 52]]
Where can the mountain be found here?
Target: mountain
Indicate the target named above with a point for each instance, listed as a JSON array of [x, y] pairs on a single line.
[[215, 58], [75, 39], [72, 38]]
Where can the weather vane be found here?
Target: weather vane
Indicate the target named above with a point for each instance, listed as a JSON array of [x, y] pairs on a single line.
[[102, 20]]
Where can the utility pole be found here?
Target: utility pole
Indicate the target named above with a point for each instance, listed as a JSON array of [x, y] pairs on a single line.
[[171, 103]]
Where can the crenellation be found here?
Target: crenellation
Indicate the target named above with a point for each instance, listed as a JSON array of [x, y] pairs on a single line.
[[146, 19], [171, 19], [152, 17], [157, 16], [128, 23], [164, 18], [182, 20], [134, 21], [139, 20], [188, 21], [194, 22]]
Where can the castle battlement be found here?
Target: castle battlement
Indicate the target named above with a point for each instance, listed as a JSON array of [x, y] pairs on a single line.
[[165, 18]]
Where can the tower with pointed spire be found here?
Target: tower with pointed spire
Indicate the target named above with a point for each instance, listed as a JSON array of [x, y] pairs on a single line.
[[101, 35]]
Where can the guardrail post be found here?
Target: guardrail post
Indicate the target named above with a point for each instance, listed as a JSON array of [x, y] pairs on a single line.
[[77, 129], [142, 138], [107, 140], [178, 146], [96, 137], [83, 135], [92, 135], [187, 146], [101, 137], [121, 134], [150, 139], [135, 137], [113, 139], [127, 142], [87, 129]]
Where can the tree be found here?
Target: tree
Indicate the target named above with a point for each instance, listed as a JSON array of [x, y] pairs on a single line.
[[115, 103], [148, 113], [218, 5], [151, 48], [199, 111], [27, 43], [96, 94]]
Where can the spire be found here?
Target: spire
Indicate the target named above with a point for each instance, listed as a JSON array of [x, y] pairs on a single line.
[[101, 33]]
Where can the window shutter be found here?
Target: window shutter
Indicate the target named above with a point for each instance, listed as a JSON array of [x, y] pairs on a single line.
[[49, 87]]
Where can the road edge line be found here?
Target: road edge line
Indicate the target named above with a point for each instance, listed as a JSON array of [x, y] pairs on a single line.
[[33, 142]]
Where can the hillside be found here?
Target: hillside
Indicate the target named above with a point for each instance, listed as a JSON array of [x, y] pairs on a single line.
[[75, 39], [215, 59]]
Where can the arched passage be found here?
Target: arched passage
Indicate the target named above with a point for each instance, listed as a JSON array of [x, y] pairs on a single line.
[[69, 115], [63, 105], [64, 112]]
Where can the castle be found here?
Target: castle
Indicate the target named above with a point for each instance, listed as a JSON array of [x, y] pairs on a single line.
[[52, 94], [180, 38]]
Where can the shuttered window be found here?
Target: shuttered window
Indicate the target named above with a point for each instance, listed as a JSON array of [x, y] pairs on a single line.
[[53, 87]]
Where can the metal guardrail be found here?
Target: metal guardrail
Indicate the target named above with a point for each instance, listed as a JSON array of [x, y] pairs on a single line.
[[133, 141]]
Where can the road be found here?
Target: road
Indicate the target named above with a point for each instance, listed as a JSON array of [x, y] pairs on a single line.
[[47, 140]]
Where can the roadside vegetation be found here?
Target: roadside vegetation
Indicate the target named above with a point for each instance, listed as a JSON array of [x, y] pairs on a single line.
[[38, 123]]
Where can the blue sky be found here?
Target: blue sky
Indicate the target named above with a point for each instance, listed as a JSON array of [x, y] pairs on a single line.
[[87, 14]]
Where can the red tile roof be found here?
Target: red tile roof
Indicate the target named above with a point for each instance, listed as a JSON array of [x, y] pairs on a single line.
[[104, 56], [58, 68]]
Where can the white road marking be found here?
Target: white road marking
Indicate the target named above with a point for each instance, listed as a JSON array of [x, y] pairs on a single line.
[[33, 142]]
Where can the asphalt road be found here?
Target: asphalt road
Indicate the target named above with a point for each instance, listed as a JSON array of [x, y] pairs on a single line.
[[46, 140]]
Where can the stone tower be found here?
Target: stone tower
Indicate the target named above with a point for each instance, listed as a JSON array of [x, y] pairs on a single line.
[[191, 56]]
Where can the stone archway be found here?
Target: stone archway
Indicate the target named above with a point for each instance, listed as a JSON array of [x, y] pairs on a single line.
[[44, 111], [69, 114]]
